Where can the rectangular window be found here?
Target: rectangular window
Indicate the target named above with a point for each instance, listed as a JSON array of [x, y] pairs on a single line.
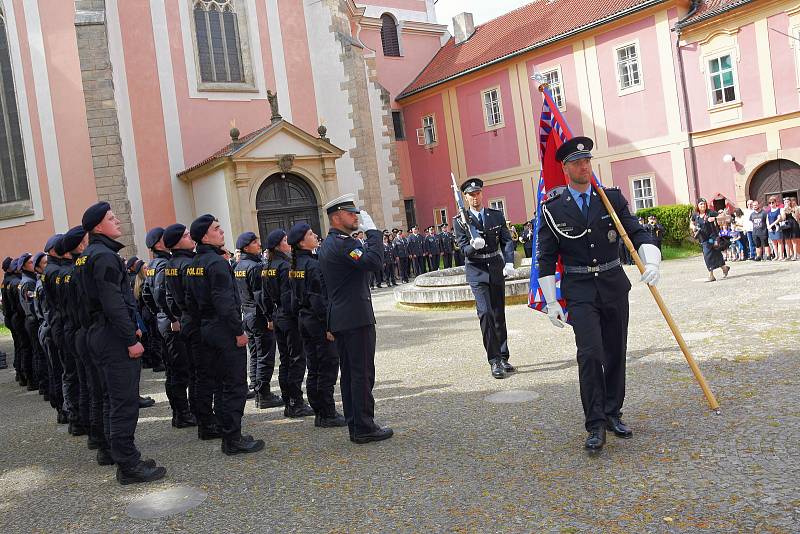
[[491, 108], [427, 134], [629, 71], [498, 204], [439, 216], [399, 128], [411, 212], [553, 79], [643, 191], [722, 79]]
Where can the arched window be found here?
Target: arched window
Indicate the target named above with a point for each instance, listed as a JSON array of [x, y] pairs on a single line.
[[14, 192], [389, 38], [219, 49]]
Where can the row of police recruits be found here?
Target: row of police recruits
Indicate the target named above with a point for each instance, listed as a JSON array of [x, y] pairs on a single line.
[[76, 330]]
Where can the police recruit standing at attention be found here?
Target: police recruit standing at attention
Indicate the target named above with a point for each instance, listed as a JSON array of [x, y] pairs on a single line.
[[579, 229]]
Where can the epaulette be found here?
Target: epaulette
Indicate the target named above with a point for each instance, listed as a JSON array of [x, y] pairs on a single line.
[[611, 188], [552, 198], [342, 236]]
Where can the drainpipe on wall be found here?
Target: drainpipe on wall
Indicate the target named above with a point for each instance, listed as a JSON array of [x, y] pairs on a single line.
[[685, 92]]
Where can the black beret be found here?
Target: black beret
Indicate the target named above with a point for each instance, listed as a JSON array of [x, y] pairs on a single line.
[[72, 239], [38, 258], [575, 148], [472, 185], [58, 247], [22, 259], [153, 236], [245, 239], [199, 227], [7, 263], [275, 237], [94, 215], [173, 233], [13, 266], [138, 266], [297, 233], [130, 262], [52, 242]]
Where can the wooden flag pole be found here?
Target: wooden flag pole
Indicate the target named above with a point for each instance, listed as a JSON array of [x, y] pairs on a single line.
[[698, 375]]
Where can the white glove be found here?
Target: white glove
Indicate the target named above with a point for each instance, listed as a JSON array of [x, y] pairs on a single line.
[[651, 257], [365, 222], [508, 270], [477, 243], [554, 310]]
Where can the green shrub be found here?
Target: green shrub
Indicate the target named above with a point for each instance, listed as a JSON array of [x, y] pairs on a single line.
[[675, 219]]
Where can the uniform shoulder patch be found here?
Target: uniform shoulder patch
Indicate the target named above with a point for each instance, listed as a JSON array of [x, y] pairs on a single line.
[[356, 253], [342, 236], [552, 197]]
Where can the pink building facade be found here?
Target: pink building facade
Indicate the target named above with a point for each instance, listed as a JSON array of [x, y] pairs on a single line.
[[683, 99]]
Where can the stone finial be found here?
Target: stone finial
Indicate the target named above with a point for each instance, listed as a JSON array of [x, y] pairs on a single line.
[[273, 104], [234, 134], [322, 130]]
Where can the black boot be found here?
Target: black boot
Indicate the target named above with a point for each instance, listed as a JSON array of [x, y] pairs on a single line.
[[62, 418], [333, 421], [141, 472], [206, 432], [183, 419], [297, 408], [145, 402], [159, 368], [268, 400], [242, 445], [104, 457], [76, 429], [31, 386], [95, 441]]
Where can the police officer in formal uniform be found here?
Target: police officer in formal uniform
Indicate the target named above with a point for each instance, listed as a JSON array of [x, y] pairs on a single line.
[[287, 330], [54, 330], [577, 228], [114, 341], [489, 259], [260, 338], [400, 245], [22, 345], [154, 342], [8, 309], [210, 286], [432, 248], [389, 261], [310, 304], [346, 265], [26, 290], [40, 363], [446, 240]]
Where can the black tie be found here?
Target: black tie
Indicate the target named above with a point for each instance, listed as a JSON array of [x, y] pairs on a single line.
[[480, 218], [585, 208]]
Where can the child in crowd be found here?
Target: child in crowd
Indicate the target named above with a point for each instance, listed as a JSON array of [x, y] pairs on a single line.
[[725, 231]]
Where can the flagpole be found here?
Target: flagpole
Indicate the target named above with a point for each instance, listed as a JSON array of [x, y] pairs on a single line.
[[698, 375]]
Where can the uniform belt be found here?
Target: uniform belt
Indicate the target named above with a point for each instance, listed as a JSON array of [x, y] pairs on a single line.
[[485, 256], [586, 269]]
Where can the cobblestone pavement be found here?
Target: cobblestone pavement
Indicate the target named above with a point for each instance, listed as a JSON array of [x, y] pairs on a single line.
[[459, 463]]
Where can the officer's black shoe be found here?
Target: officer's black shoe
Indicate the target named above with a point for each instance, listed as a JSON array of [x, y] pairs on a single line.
[[145, 402], [42, 391], [334, 421], [620, 429], [46, 397], [596, 439], [104, 457], [32, 387], [22, 381], [94, 442], [297, 408], [507, 367], [76, 429], [206, 432], [497, 368], [141, 472], [379, 434], [243, 445], [159, 368], [268, 400], [251, 394], [183, 419], [62, 418]]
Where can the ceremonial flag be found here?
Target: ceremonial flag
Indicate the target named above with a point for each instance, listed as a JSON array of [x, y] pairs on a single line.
[[553, 132]]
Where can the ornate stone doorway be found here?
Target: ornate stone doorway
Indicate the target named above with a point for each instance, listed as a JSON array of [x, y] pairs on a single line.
[[283, 200], [779, 177]]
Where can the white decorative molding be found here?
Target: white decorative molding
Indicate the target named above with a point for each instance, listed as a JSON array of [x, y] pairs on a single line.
[[278, 57]]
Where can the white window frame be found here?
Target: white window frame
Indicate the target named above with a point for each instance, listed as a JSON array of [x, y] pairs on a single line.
[[635, 88], [493, 203], [562, 106], [438, 213], [502, 122], [653, 194], [423, 138], [709, 87]]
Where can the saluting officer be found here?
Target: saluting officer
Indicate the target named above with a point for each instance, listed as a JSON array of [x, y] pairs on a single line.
[[446, 240], [211, 288], [579, 229], [489, 259], [346, 264], [114, 341], [310, 303], [260, 338]]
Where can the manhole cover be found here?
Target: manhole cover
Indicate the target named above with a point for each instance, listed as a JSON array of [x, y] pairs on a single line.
[[697, 336], [789, 297], [515, 395], [168, 502]]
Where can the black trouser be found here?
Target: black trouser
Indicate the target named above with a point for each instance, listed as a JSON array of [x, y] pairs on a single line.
[[84, 388], [201, 380], [94, 389], [177, 363], [70, 378], [433, 262], [419, 265], [459, 258], [601, 336], [447, 257], [528, 251], [357, 360], [53, 363], [404, 274], [490, 303], [22, 345], [40, 367], [31, 353], [388, 274], [323, 365], [229, 365], [57, 363], [153, 342], [293, 361], [261, 345], [119, 378]]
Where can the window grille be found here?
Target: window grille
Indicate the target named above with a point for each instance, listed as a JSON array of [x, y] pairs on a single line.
[[628, 71], [219, 48], [389, 37]]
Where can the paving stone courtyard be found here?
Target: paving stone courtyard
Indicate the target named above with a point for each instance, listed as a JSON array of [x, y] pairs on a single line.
[[460, 462]]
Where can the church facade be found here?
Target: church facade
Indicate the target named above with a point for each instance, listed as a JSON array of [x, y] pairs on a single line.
[[258, 111]]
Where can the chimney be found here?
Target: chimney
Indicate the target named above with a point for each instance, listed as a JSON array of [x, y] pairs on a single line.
[[463, 27]]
